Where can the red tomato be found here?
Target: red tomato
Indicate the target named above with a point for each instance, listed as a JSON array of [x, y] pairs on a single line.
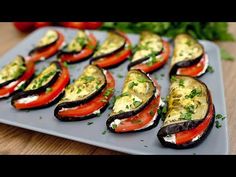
[[188, 135], [93, 105], [77, 25], [24, 26], [194, 70], [45, 98], [42, 24], [93, 25]]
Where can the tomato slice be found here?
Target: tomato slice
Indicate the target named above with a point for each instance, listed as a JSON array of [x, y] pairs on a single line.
[[85, 53], [47, 52], [96, 103], [164, 56], [11, 88], [93, 25], [194, 70], [77, 25], [115, 58], [141, 119], [188, 135], [46, 98]]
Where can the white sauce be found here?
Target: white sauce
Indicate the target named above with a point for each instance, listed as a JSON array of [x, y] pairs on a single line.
[[28, 99], [170, 138], [116, 122], [11, 84], [97, 111]]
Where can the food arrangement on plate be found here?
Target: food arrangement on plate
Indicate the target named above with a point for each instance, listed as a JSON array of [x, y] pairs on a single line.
[[190, 110]]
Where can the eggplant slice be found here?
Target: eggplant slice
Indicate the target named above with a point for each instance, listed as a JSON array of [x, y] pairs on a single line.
[[150, 44], [76, 45], [187, 52], [113, 43], [138, 91], [49, 38], [40, 83], [12, 71], [89, 84], [189, 103]]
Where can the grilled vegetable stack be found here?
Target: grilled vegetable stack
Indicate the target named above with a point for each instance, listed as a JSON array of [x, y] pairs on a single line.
[[15, 75], [47, 46], [136, 109], [88, 96], [190, 114], [45, 89], [113, 51], [80, 48], [151, 53], [189, 57]]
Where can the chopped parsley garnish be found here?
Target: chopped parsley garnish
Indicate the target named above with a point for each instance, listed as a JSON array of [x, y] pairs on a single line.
[[49, 89], [137, 103], [104, 132], [142, 79], [108, 92], [173, 78], [181, 83], [151, 113], [136, 121], [88, 78], [89, 123], [210, 69], [188, 114], [153, 59], [78, 90], [65, 64], [120, 76], [220, 116], [218, 125], [194, 93], [114, 126], [132, 84]]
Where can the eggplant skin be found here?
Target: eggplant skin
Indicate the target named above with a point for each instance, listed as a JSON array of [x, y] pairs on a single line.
[[184, 64], [190, 144], [70, 119], [155, 123]]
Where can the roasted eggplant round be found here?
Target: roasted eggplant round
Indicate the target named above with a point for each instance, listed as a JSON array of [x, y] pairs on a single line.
[[43, 89], [12, 71], [137, 106], [87, 96], [113, 51], [189, 57], [190, 113], [79, 49], [49, 45], [150, 54], [14, 76]]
